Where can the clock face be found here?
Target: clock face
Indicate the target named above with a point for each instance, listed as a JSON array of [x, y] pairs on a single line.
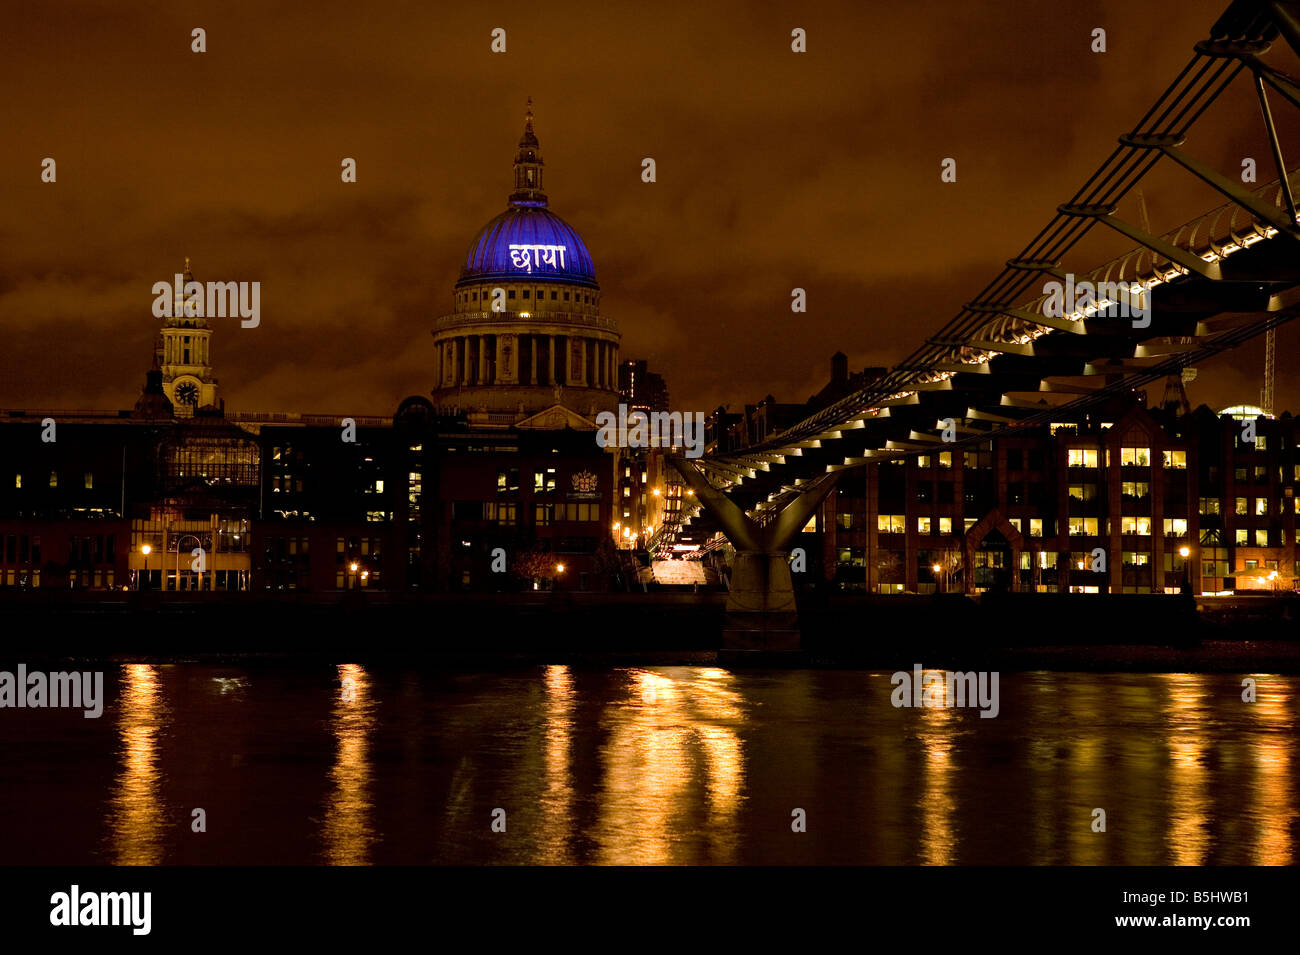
[[187, 392]]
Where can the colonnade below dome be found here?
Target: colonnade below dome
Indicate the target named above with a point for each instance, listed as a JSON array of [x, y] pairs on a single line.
[[522, 358]]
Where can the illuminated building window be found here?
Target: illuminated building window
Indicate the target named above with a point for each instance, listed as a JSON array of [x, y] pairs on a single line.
[[1261, 507], [54, 479], [945, 459], [1081, 458], [1035, 527], [1261, 538], [90, 481], [891, 523], [1175, 527], [1175, 459], [1242, 536], [945, 525], [923, 525], [1210, 505], [1084, 527], [1135, 525], [543, 514], [1083, 492], [1134, 457], [923, 461], [584, 512], [1242, 506], [18, 482]]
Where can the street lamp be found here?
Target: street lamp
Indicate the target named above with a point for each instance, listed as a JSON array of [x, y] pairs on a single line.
[[146, 550], [353, 567], [936, 568], [1184, 552]]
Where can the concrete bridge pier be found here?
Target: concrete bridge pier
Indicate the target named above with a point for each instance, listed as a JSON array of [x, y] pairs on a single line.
[[762, 620]]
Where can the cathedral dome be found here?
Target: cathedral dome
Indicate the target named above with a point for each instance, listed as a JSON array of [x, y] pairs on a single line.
[[528, 241], [526, 332]]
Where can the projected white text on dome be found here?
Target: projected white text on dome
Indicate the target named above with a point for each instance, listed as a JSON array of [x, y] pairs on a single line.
[[525, 256]]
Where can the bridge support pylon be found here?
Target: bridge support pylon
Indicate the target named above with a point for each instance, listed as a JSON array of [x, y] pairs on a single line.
[[762, 620]]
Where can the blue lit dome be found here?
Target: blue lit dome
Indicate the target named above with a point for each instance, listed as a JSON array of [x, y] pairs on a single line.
[[528, 241]]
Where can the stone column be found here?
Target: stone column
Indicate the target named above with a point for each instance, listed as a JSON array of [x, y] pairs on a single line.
[[550, 358], [482, 360], [577, 349], [507, 360], [464, 371], [532, 359]]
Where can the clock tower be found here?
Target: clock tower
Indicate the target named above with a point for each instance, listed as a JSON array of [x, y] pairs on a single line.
[[183, 353]]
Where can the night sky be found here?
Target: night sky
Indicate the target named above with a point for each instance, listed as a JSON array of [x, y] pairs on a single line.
[[775, 170]]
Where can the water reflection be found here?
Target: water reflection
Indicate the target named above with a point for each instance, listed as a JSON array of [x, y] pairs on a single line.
[[1188, 790], [1274, 811], [673, 769], [136, 818], [348, 832], [557, 797], [938, 801], [664, 765]]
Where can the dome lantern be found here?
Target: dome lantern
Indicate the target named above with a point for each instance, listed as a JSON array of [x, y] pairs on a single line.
[[528, 167]]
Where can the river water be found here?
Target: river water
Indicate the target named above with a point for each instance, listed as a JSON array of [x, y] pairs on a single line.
[[353, 765]]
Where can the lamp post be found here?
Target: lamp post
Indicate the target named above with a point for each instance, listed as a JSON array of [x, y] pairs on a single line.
[[353, 567], [146, 550], [1185, 552]]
